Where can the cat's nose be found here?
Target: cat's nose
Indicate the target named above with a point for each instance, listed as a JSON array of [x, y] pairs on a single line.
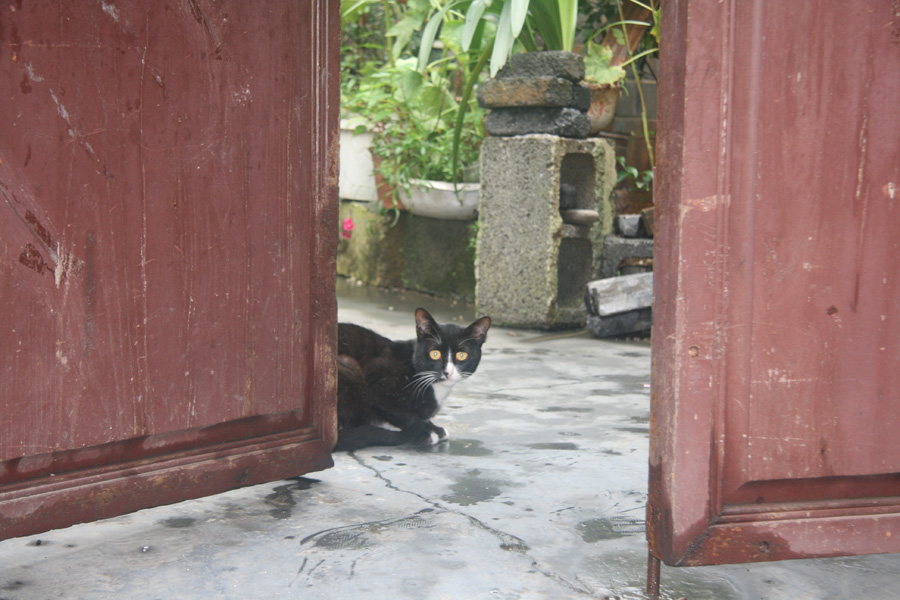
[[449, 371]]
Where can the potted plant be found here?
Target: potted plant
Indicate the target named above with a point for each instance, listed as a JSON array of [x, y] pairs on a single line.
[[602, 78], [625, 26], [412, 146], [410, 113]]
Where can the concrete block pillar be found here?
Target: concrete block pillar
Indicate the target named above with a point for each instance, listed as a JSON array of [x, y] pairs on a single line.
[[535, 249]]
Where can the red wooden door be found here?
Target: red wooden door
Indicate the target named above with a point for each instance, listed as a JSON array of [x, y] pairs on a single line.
[[167, 215], [776, 387]]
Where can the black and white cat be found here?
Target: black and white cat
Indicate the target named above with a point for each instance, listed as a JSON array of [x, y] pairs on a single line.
[[401, 383]]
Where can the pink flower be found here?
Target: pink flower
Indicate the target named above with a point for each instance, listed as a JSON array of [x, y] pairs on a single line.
[[347, 228]]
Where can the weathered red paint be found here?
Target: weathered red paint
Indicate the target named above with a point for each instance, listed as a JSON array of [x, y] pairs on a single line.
[[168, 192], [776, 333]]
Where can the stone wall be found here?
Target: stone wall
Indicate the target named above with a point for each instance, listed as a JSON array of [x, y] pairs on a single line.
[[434, 256]]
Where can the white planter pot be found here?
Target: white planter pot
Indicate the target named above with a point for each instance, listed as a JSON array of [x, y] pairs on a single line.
[[438, 200], [356, 179]]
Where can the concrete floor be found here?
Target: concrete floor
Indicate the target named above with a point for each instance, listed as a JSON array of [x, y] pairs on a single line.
[[539, 494]]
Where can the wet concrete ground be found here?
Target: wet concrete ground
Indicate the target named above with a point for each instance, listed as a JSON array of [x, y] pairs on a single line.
[[539, 493]]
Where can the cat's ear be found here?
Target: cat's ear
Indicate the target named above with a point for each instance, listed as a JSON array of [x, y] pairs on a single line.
[[425, 324], [478, 330]]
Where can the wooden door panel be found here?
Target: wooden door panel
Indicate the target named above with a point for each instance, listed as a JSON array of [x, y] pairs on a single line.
[[776, 334], [168, 195]]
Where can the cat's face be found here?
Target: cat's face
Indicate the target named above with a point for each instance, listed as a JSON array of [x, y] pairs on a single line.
[[446, 354]]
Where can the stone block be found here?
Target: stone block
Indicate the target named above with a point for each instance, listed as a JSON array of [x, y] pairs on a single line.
[[428, 255], [374, 251], [556, 63], [532, 91], [629, 323], [605, 297], [563, 122], [615, 249], [628, 225], [531, 268], [438, 257]]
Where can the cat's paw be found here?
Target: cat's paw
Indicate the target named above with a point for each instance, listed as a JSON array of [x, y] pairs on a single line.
[[439, 435], [426, 434]]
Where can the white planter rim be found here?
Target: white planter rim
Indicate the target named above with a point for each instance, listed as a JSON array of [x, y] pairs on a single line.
[[437, 199]]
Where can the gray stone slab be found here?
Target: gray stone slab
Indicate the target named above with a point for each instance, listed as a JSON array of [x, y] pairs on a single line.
[[628, 323], [563, 122], [614, 295], [628, 225], [554, 63], [616, 249], [533, 91]]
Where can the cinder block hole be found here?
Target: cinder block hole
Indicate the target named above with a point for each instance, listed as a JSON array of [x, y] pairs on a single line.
[[577, 185], [577, 182], [573, 271]]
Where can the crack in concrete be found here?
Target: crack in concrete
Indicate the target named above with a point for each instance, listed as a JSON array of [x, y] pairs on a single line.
[[508, 541]]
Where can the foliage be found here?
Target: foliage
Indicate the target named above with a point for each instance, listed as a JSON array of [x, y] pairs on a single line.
[[654, 43], [496, 25], [641, 180], [412, 116], [413, 111], [426, 121], [488, 29], [597, 66]]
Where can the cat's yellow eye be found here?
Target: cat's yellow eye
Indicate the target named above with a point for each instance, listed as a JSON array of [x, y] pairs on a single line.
[[462, 355], [435, 354]]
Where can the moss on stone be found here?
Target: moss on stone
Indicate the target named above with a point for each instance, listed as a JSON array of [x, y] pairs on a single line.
[[434, 256]]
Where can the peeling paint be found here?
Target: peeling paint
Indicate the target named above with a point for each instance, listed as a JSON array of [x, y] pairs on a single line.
[[702, 204], [111, 10], [890, 190]]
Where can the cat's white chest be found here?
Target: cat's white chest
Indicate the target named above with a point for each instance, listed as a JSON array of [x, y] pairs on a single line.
[[442, 390]]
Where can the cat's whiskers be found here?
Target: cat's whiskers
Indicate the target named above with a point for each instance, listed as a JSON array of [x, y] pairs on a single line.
[[421, 381]]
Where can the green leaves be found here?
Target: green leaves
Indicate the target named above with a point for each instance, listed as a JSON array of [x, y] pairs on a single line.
[[503, 42], [473, 22], [597, 67], [351, 9], [641, 180], [429, 34], [517, 13], [568, 19]]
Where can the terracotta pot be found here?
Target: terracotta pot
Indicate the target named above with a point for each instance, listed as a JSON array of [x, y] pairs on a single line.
[[387, 194], [603, 105]]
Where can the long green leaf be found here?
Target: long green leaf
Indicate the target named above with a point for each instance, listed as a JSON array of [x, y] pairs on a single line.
[[642, 5], [503, 41], [463, 106], [545, 18], [637, 56], [473, 19], [429, 33], [518, 12], [614, 24], [351, 9], [568, 20]]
